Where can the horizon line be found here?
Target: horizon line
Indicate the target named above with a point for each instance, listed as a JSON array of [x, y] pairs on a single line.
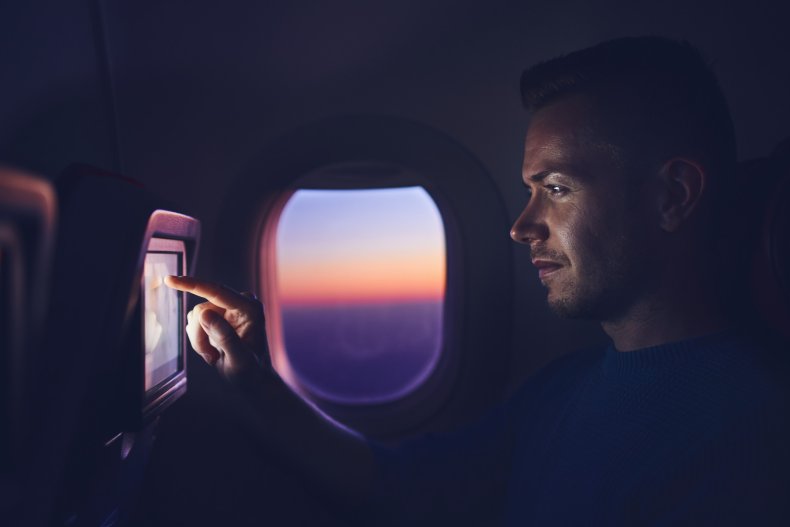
[[328, 302]]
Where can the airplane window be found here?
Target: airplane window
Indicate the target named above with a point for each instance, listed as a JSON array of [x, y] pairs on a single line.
[[360, 281]]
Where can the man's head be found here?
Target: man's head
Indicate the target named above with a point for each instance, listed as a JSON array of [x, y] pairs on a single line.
[[629, 157]]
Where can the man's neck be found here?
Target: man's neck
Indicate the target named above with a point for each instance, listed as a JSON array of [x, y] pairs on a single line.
[[670, 315]]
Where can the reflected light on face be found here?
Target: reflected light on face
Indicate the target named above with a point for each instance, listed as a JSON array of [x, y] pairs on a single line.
[[584, 222]]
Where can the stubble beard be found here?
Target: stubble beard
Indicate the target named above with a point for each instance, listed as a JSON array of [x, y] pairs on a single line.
[[574, 302], [600, 293]]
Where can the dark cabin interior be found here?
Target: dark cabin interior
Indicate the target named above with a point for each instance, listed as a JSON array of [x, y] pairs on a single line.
[[213, 108]]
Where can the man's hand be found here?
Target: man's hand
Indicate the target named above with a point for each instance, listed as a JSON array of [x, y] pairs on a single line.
[[229, 330]]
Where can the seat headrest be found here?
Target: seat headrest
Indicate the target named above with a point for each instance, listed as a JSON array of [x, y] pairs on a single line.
[[768, 180]]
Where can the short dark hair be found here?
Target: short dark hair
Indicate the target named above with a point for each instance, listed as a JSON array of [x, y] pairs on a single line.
[[666, 84]]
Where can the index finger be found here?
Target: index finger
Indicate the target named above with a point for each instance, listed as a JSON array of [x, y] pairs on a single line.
[[217, 294]]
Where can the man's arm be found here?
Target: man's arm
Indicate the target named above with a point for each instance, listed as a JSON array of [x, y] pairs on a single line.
[[228, 332]]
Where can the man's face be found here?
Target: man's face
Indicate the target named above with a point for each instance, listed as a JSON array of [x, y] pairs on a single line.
[[587, 220]]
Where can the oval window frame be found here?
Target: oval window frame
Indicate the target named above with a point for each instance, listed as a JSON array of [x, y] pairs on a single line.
[[479, 293]]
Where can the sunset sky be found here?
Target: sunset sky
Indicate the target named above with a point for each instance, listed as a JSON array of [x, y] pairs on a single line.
[[375, 245]]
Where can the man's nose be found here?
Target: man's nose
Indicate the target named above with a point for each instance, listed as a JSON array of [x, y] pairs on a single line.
[[530, 226]]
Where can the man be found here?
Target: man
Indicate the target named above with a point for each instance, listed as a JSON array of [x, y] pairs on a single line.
[[629, 162]]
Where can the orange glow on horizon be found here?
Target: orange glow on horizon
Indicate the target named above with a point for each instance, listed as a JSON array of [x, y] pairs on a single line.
[[364, 280], [373, 300]]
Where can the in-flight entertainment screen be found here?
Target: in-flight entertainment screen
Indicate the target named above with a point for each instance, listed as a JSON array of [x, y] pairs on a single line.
[[162, 317]]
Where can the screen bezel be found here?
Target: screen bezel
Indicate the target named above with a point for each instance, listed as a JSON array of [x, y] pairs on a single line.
[[141, 408]]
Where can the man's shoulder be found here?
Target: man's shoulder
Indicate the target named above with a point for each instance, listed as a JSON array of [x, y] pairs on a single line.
[[742, 384], [760, 365]]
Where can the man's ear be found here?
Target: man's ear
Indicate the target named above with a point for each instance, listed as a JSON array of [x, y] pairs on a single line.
[[683, 183]]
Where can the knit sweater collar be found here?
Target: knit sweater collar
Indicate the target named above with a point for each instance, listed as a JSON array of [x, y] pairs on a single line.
[[671, 354]]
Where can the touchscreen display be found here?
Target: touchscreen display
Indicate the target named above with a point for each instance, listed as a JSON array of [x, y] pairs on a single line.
[[162, 318]]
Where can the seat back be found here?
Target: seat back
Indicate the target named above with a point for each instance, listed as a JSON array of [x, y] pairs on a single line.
[[28, 215], [766, 240]]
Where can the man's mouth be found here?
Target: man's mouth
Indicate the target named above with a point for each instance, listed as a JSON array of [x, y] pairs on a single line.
[[546, 268]]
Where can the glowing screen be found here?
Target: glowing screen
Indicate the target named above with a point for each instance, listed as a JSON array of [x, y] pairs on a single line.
[[162, 318], [360, 285]]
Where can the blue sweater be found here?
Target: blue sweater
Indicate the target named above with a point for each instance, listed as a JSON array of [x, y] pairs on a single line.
[[689, 433]]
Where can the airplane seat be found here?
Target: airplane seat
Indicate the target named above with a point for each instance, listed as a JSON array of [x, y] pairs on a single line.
[[768, 239], [94, 438], [28, 216]]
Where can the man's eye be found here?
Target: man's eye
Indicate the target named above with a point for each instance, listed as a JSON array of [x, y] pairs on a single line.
[[556, 190]]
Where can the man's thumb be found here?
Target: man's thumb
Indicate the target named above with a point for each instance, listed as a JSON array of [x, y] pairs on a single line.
[[224, 338]]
